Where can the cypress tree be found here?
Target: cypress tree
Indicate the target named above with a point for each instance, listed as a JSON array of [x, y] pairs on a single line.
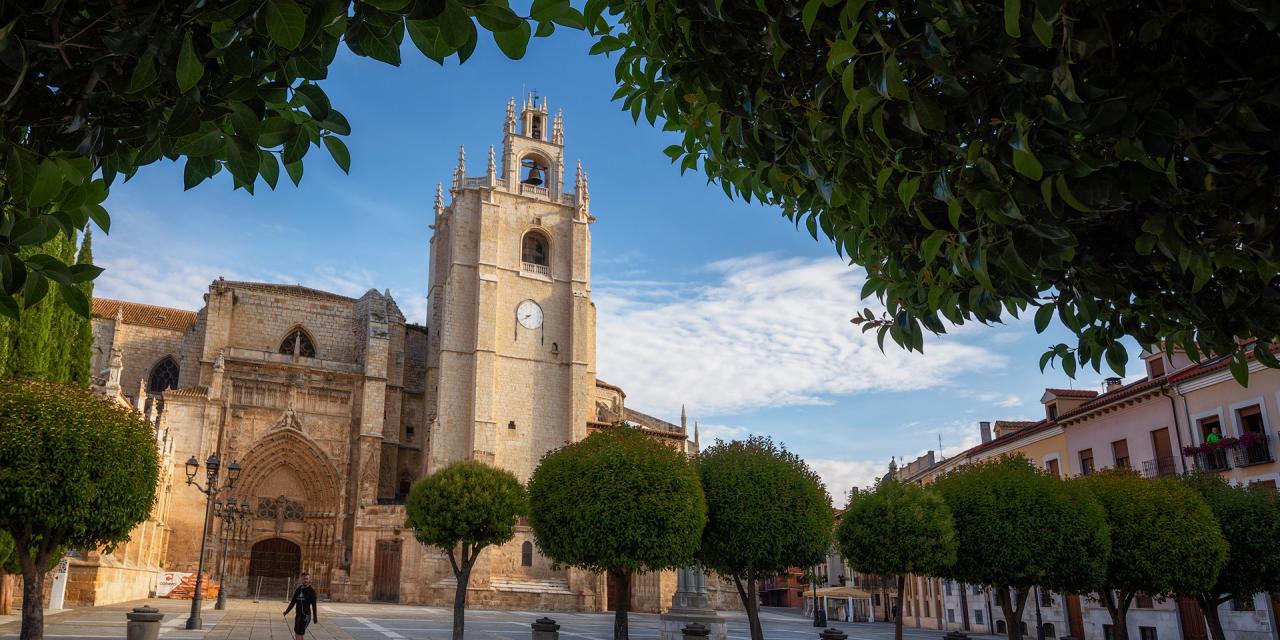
[[78, 365]]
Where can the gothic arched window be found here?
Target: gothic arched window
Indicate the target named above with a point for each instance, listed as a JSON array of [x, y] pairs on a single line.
[[298, 344], [164, 375], [534, 249], [526, 554]]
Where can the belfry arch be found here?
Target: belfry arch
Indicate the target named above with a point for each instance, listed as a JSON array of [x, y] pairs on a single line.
[[294, 497]]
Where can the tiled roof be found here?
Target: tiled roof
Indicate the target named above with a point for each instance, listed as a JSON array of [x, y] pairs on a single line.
[[1072, 393], [288, 289], [1014, 424], [144, 314]]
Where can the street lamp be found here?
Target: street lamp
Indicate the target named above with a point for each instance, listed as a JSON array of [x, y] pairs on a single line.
[[229, 515], [211, 465]]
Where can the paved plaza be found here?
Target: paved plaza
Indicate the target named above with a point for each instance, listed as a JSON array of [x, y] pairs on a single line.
[[246, 620]]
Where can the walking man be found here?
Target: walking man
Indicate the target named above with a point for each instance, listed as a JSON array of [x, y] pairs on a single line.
[[304, 599]]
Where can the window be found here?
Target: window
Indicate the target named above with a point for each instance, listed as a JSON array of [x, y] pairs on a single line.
[[1143, 601], [1108, 632], [164, 375], [977, 616], [1155, 367], [951, 615], [1147, 633], [533, 249], [526, 554], [1120, 453], [1023, 627], [1049, 630], [1250, 419], [1242, 604], [977, 589], [947, 587], [511, 425], [1052, 409], [1001, 628], [1046, 598], [403, 491], [1209, 425], [298, 344], [408, 431], [1052, 467], [875, 599], [1086, 461]]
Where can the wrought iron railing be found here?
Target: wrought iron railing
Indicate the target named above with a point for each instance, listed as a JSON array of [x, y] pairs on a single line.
[[1216, 460], [1256, 450], [1162, 466]]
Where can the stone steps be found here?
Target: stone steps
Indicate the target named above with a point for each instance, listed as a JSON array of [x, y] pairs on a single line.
[[521, 585]]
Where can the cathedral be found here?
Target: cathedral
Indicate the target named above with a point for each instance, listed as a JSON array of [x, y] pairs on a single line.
[[334, 406]]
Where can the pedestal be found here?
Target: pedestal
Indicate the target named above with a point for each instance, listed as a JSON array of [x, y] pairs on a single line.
[[690, 604]]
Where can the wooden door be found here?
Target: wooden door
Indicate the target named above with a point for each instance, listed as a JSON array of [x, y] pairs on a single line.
[[1164, 452], [386, 571], [1192, 620], [1075, 619]]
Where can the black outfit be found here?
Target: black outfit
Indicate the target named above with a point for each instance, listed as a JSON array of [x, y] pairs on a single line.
[[304, 598]]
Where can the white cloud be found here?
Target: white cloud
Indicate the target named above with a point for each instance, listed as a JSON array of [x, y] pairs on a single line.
[[764, 332], [709, 433], [842, 475]]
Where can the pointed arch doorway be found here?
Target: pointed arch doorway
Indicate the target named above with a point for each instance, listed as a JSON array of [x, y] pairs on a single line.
[[274, 565]]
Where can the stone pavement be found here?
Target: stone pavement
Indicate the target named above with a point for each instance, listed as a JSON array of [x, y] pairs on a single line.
[[247, 620]]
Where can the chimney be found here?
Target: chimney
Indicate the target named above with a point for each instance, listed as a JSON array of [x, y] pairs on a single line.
[[985, 428], [1113, 383]]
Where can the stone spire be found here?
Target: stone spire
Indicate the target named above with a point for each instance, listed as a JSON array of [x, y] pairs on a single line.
[[580, 188], [510, 125], [460, 172], [493, 167], [557, 127], [684, 419], [697, 444], [439, 199]]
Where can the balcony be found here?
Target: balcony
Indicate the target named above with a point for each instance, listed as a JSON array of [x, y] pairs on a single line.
[[528, 189], [1158, 467], [531, 267], [1252, 449], [1216, 460]]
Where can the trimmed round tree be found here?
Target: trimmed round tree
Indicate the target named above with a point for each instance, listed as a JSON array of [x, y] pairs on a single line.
[[766, 511], [1050, 533], [618, 502], [1165, 541], [897, 529], [76, 471], [460, 510], [1250, 522]]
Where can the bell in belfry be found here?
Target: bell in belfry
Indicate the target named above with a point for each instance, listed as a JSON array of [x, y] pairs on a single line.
[[535, 176]]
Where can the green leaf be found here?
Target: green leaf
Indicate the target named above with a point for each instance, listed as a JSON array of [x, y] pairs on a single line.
[[810, 14], [20, 171], [1064, 192], [907, 190], [294, 170], [1043, 316], [286, 22], [1027, 164], [47, 184], [99, 216], [929, 248], [1117, 357], [338, 150], [75, 299], [268, 168], [514, 42], [496, 18], [144, 73], [1012, 18], [1240, 368], [190, 69], [314, 99]]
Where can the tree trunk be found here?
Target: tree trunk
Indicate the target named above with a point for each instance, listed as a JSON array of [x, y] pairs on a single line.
[[1119, 610], [1012, 621], [1209, 606], [624, 603], [753, 607], [460, 600], [897, 620], [32, 597]]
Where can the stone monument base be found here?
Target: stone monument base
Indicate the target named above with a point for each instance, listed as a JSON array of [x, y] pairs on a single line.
[[674, 620]]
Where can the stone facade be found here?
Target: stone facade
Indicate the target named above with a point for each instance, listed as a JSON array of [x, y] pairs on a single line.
[[334, 406]]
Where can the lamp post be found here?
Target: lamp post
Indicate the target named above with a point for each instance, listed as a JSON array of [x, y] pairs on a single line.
[[819, 614], [211, 489], [229, 515]]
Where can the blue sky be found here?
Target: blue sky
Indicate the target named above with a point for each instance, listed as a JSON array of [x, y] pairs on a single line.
[[716, 304]]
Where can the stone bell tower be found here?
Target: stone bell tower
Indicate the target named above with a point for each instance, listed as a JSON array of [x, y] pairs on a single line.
[[511, 349]]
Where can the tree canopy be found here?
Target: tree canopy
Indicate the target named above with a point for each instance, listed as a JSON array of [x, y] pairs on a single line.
[[75, 470], [462, 509], [618, 502], [1165, 540], [898, 528], [1250, 522], [95, 89], [1051, 533], [766, 511], [1113, 164]]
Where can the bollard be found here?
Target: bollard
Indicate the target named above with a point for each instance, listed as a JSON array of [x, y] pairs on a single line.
[[545, 629], [144, 623], [695, 631], [833, 634]]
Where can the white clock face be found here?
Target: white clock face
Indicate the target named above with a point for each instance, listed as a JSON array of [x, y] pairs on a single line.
[[529, 314]]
